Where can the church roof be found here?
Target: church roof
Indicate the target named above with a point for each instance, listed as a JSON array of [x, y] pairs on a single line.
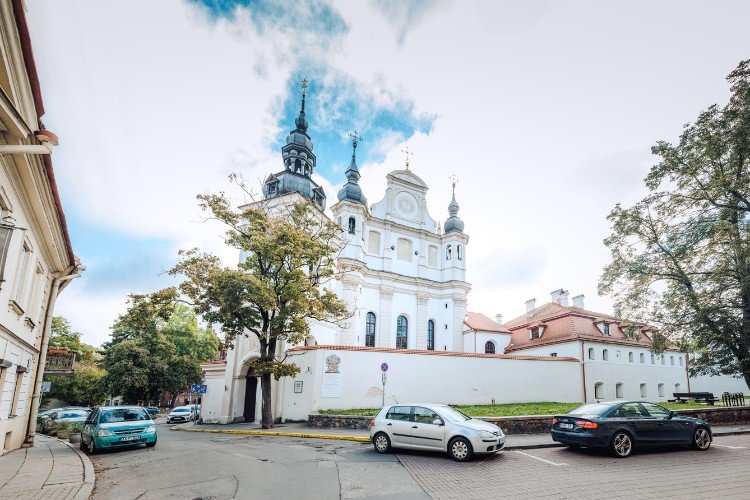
[[480, 322]]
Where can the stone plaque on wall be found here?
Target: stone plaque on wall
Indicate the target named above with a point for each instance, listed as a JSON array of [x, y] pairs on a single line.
[[331, 376]]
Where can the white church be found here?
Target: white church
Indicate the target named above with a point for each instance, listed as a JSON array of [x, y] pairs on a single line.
[[410, 336]]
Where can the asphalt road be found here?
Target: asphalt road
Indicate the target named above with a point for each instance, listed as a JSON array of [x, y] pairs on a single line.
[[215, 466]]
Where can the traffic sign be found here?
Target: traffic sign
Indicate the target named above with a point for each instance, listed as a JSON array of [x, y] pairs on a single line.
[[198, 388], [383, 367]]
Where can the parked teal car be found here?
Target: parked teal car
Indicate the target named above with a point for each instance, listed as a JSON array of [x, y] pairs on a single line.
[[111, 427]]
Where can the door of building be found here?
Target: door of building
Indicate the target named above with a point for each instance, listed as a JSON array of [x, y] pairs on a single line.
[[251, 388]]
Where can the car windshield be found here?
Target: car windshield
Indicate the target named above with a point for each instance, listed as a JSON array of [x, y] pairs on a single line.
[[452, 415], [123, 415], [181, 410], [590, 409]]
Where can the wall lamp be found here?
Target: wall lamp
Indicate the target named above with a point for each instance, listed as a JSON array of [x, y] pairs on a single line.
[[47, 139]]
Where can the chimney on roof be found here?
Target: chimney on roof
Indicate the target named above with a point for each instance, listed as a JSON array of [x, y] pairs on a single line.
[[578, 301], [560, 296], [530, 305], [499, 319]]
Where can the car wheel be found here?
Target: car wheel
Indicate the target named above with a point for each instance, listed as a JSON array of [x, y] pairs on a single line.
[[82, 445], [460, 450], [701, 438], [91, 447], [622, 444], [381, 442]]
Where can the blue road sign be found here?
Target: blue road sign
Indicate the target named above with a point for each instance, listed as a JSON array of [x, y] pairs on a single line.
[[383, 367], [198, 388]]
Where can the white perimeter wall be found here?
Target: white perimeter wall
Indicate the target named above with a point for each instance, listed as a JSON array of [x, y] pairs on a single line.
[[452, 379], [719, 385]]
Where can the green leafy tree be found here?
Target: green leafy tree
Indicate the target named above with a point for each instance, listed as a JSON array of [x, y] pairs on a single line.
[[156, 347], [63, 336], [83, 387], [275, 290], [681, 255]]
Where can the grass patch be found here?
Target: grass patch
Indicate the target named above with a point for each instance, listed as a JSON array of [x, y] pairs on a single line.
[[509, 410]]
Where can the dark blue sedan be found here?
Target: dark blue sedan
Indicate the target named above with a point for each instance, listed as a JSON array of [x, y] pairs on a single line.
[[623, 426]]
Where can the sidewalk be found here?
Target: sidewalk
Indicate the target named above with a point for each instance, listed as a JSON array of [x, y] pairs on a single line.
[[51, 469], [512, 441]]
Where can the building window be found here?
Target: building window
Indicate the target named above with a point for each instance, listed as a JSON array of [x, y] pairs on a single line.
[[663, 359], [677, 387], [536, 332], [591, 353], [432, 254], [352, 225], [17, 390], [373, 245], [402, 332], [448, 252], [619, 390], [599, 390], [643, 358], [605, 354], [630, 357], [660, 388], [404, 251], [671, 360], [489, 347], [644, 390], [680, 358], [370, 330], [459, 252], [22, 275], [430, 335], [606, 329], [653, 359]]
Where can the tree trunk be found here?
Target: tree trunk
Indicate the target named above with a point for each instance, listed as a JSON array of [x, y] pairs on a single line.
[[266, 410]]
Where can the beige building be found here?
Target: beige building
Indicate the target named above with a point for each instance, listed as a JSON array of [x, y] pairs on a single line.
[[36, 258]]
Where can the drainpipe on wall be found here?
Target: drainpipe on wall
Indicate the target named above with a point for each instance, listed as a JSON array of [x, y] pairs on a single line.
[[583, 370], [58, 284], [475, 341], [687, 370]]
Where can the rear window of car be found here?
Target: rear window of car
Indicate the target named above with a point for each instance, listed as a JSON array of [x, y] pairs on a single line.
[[123, 415], [591, 409]]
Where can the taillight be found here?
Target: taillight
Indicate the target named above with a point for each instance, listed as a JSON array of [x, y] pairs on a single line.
[[585, 424], [372, 423], [554, 421]]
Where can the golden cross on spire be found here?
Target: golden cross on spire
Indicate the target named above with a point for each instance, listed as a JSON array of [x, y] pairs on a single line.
[[454, 181], [356, 138], [407, 153], [304, 87]]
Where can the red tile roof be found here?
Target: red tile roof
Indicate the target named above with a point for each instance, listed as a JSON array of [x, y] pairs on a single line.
[[430, 353], [480, 322], [564, 324]]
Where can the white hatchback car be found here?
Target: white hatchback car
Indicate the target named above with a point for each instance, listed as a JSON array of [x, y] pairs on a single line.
[[434, 427]]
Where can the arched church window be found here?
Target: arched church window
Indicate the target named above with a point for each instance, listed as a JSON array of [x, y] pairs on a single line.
[[430, 335], [459, 253], [448, 252], [489, 347], [370, 330], [402, 332], [352, 225]]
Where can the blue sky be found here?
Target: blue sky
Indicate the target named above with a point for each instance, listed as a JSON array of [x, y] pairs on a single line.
[[546, 112]]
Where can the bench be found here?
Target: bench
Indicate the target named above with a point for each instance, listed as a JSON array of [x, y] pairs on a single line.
[[683, 397]]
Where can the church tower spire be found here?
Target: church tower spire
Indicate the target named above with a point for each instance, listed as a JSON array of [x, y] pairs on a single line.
[[453, 223], [351, 190], [299, 163]]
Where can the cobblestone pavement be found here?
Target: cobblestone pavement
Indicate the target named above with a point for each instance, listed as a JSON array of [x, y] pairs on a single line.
[[723, 471]]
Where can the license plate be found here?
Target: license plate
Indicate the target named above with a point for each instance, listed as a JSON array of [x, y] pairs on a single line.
[[566, 426], [130, 438]]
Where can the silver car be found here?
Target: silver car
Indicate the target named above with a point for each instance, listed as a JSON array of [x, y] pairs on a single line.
[[434, 427]]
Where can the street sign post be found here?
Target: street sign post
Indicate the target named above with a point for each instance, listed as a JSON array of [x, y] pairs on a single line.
[[384, 369], [197, 389]]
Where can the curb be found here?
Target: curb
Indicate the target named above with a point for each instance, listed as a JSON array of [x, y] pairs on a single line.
[[88, 473], [359, 439]]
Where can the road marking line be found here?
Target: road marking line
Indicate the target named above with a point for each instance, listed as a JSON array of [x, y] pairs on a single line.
[[541, 459], [730, 447]]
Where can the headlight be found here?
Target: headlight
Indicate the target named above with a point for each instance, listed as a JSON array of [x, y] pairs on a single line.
[[486, 435], [151, 428], [104, 432]]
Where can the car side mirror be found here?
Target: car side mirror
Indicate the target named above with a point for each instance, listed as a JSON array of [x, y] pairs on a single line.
[[437, 421], [672, 414]]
